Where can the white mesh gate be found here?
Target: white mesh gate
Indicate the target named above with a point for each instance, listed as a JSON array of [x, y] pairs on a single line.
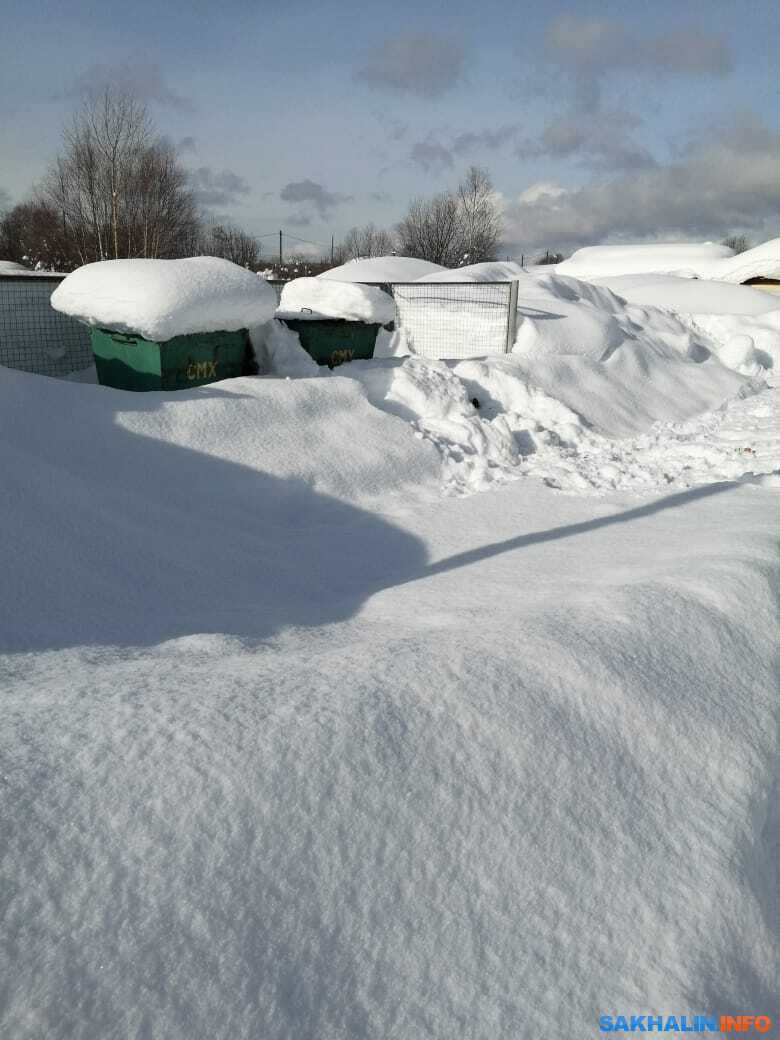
[[456, 319]]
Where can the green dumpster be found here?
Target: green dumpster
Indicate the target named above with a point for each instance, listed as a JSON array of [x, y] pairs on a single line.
[[333, 341], [130, 362]]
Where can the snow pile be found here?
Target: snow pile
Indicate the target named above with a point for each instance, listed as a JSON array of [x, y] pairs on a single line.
[[688, 295], [742, 324], [11, 267], [563, 318], [688, 259], [579, 425], [161, 299], [760, 262], [749, 344], [314, 298], [481, 444], [381, 270], [278, 352], [491, 271], [691, 258], [294, 747]]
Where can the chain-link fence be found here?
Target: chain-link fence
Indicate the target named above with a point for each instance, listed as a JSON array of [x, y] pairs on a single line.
[[456, 319], [33, 336]]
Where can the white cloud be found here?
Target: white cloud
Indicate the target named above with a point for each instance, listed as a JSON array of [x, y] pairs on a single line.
[[728, 180]]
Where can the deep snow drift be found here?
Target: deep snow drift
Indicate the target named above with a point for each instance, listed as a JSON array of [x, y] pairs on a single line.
[[294, 746], [691, 258], [161, 299], [301, 737], [684, 259], [381, 270]]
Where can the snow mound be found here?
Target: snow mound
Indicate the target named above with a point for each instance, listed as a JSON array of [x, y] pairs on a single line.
[[658, 258], [491, 271], [314, 298], [762, 261], [577, 424], [197, 487], [292, 746], [724, 313], [11, 267], [381, 270], [278, 352], [161, 299], [689, 295]]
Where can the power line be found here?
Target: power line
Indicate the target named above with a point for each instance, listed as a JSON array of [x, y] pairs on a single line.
[[307, 241]]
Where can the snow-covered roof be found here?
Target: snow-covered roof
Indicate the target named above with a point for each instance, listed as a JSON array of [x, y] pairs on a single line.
[[689, 295], [164, 298], [692, 258], [761, 262], [332, 299], [686, 259], [379, 270]]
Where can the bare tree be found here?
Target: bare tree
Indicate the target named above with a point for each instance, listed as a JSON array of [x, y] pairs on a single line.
[[739, 243], [232, 243], [480, 216], [431, 230], [117, 190], [31, 233], [119, 129], [366, 241], [454, 228], [548, 258], [161, 216]]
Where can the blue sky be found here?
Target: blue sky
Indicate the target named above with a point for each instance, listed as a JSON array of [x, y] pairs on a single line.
[[614, 121]]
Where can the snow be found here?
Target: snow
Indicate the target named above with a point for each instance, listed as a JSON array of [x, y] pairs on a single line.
[[381, 270], [11, 267], [278, 351], [688, 295], [763, 261], [161, 299], [314, 298], [742, 324], [302, 736], [583, 343], [689, 258], [491, 271]]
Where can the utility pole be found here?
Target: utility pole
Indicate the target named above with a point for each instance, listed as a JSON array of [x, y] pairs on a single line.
[[280, 249], [332, 241]]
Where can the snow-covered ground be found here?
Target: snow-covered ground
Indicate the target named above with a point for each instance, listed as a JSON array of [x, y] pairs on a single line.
[[419, 699]]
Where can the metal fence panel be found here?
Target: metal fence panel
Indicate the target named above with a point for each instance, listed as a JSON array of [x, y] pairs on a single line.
[[456, 319], [33, 336]]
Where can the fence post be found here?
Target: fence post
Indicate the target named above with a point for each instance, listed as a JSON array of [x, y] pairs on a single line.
[[511, 319]]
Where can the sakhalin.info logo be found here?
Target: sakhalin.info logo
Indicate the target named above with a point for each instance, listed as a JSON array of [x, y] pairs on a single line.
[[684, 1023]]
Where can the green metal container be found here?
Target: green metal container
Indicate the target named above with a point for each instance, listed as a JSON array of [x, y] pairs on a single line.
[[130, 362], [333, 341]]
